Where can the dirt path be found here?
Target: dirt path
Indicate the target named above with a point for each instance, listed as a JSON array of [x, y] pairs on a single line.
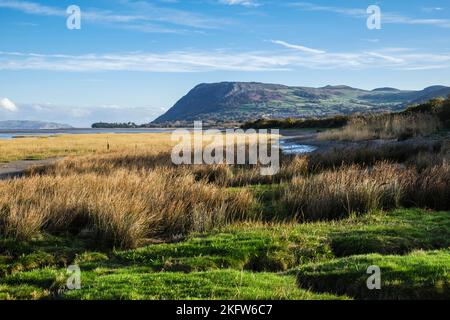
[[18, 168]]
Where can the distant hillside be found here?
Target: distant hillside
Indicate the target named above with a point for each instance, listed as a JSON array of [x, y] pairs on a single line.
[[31, 125], [239, 101]]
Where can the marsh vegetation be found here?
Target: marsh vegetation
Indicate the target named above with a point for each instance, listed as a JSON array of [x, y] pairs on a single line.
[[142, 228]]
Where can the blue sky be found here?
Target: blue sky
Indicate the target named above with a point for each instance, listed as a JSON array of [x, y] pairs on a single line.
[[132, 60]]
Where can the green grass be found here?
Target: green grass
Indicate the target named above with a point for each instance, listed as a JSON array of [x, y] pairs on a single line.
[[256, 251], [221, 284], [245, 261], [418, 275], [396, 232], [16, 256]]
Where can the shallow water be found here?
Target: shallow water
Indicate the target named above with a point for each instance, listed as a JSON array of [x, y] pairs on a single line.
[[289, 147]]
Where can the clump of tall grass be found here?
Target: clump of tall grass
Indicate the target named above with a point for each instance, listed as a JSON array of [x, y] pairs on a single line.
[[243, 175], [389, 126], [340, 192], [430, 188], [426, 159], [123, 208]]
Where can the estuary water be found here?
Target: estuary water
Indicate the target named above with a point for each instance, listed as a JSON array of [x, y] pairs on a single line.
[[291, 147], [9, 134]]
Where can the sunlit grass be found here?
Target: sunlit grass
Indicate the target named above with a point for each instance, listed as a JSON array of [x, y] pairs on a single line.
[[418, 275], [36, 148]]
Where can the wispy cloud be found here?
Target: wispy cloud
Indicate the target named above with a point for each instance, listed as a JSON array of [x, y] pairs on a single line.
[[245, 3], [31, 8], [432, 9], [138, 15], [387, 17], [297, 47], [291, 57]]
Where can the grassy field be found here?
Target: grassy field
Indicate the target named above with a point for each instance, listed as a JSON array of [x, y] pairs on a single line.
[[140, 227], [37, 148]]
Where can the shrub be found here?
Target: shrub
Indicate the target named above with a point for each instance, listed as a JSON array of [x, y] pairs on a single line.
[[439, 107], [291, 123]]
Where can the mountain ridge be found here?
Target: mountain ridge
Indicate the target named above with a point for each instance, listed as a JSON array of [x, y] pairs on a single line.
[[31, 125], [241, 101]]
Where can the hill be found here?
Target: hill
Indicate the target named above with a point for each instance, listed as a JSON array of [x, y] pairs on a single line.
[[240, 101], [31, 125]]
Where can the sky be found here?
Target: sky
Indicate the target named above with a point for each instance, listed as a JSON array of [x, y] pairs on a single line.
[[132, 60]]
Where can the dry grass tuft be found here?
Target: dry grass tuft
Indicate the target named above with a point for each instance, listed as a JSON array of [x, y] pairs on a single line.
[[430, 188], [338, 193], [124, 208]]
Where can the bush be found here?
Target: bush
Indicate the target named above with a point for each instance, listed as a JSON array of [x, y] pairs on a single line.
[[439, 107], [291, 123]]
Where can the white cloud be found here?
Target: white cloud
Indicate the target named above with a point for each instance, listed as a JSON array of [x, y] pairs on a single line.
[[291, 57], [387, 17], [297, 47], [245, 3], [432, 9], [140, 16], [386, 57], [8, 105], [31, 8]]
